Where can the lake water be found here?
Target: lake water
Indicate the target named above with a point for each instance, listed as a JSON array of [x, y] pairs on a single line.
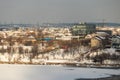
[[47, 72]]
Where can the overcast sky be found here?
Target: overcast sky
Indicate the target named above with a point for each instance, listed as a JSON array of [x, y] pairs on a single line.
[[58, 11]]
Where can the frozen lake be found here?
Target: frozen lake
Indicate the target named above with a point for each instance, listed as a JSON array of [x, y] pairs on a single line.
[[46, 72]]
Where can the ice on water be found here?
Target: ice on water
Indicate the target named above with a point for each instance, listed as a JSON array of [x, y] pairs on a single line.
[[47, 72]]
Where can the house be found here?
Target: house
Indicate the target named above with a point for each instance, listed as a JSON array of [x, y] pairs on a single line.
[[116, 41], [28, 40], [96, 42], [108, 32], [100, 42]]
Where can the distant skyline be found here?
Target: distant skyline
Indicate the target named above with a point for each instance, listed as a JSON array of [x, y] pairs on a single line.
[[59, 11]]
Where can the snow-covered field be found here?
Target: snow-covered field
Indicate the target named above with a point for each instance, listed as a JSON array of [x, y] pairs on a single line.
[[46, 72]]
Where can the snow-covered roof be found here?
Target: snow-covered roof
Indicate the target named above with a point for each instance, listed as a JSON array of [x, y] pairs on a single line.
[[99, 37], [102, 33]]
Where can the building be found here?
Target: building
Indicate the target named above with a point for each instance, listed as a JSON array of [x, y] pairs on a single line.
[[96, 42], [116, 41], [100, 42], [83, 29], [109, 32]]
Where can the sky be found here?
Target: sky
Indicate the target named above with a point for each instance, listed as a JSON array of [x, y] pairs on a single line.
[[59, 11]]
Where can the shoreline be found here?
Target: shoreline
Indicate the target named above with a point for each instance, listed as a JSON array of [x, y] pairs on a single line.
[[112, 77], [101, 66]]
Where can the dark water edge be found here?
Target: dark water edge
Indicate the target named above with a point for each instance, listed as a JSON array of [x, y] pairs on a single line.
[[101, 66], [113, 77]]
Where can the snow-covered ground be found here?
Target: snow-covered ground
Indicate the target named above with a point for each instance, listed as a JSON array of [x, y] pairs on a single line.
[[46, 72]]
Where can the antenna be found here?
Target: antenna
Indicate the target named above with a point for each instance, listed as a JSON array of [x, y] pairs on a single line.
[[103, 22]]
